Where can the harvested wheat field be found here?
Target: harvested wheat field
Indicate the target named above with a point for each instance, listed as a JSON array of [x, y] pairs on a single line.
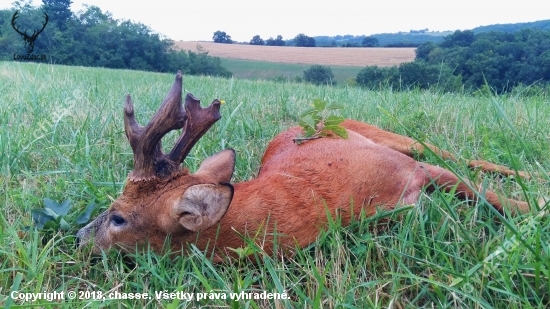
[[335, 56]]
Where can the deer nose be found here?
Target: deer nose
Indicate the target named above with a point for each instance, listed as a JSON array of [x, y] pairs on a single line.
[[80, 235], [83, 236]]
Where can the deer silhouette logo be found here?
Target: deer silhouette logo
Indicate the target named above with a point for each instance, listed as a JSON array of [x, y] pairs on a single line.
[[29, 39]]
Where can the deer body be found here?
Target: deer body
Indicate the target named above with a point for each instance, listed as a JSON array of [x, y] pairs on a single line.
[[295, 189], [298, 184]]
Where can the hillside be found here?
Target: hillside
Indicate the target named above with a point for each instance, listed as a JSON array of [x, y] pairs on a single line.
[[386, 39], [417, 37], [541, 24]]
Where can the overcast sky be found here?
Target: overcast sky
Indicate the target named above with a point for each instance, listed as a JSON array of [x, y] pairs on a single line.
[[242, 19]]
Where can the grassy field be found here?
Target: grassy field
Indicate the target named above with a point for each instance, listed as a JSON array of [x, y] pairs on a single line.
[[355, 57], [62, 137], [249, 69], [268, 62]]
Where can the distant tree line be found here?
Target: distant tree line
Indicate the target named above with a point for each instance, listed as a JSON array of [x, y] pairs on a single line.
[[301, 40], [94, 38], [275, 42], [257, 40], [412, 38], [464, 60], [222, 37], [368, 41]]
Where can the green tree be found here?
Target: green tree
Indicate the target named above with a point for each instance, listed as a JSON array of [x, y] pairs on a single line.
[[458, 38], [502, 59], [59, 11], [302, 40], [351, 44], [23, 6], [222, 37], [423, 50], [257, 40], [373, 77], [422, 75], [93, 38], [275, 42], [370, 41], [200, 63], [319, 75]]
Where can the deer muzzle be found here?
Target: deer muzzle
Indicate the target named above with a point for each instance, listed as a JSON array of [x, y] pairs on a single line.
[[87, 234]]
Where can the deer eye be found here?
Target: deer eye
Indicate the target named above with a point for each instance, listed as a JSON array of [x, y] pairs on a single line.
[[117, 220]]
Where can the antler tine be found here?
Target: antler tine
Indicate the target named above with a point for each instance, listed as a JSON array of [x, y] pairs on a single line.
[[199, 122], [149, 161]]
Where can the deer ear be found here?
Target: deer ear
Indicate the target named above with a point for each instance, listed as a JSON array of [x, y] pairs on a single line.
[[202, 206], [220, 166]]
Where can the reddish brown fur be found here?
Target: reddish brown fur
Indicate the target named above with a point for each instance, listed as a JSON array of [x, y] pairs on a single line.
[[295, 187]]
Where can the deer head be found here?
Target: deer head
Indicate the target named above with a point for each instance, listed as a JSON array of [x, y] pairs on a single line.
[[29, 39], [160, 198]]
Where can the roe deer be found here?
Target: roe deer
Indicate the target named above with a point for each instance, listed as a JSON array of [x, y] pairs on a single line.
[[296, 185]]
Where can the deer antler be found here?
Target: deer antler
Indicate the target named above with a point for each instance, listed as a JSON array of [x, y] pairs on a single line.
[[149, 160]]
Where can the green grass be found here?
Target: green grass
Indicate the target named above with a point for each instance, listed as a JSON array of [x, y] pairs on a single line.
[[268, 70], [61, 137]]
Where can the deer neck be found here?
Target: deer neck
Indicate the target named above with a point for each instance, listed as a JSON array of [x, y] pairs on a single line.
[[263, 213]]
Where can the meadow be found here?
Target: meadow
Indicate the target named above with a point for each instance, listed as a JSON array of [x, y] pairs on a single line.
[[62, 138], [263, 70]]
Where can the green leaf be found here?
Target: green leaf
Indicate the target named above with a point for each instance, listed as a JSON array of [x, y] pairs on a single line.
[[317, 118], [319, 104], [51, 213], [306, 124], [242, 252], [51, 225], [334, 120], [61, 210], [303, 124], [310, 121], [64, 225], [85, 216], [315, 124], [340, 132], [308, 111], [41, 217], [309, 132]]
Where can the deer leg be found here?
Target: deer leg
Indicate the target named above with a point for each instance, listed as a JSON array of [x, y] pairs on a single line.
[[410, 147]]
